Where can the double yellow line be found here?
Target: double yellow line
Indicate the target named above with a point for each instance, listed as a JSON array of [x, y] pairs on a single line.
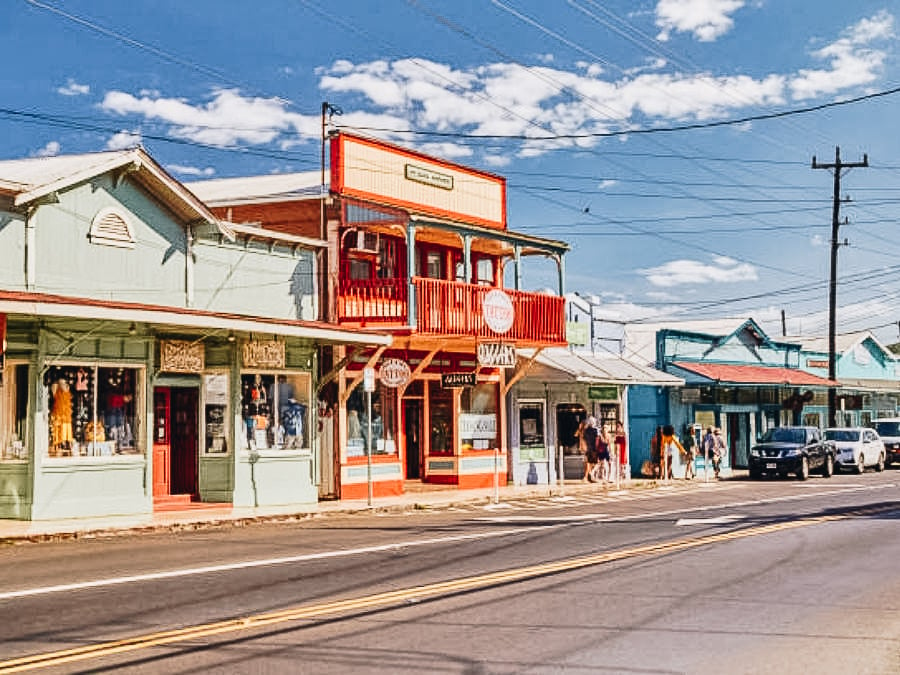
[[390, 598]]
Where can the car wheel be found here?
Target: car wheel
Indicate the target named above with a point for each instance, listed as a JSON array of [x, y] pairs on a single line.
[[755, 474], [828, 469], [861, 464], [803, 471], [880, 465]]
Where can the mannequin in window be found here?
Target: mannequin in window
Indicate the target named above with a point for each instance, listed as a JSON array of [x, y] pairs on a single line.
[[61, 414]]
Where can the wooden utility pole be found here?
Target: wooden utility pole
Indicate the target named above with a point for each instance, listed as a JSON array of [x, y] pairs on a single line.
[[837, 167]]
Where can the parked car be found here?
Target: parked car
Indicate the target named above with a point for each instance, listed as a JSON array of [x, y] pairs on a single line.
[[798, 450], [889, 430], [857, 448]]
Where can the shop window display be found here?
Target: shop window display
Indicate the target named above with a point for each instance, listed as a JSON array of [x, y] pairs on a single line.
[[478, 419], [13, 411], [383, 416], [441, 417], [274, 408], [92, 411]]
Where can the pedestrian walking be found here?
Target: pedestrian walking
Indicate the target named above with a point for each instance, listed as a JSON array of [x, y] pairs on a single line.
[[621, 444], [690, 452], [655, 453], [589, 434], [601, 470], [708, 443], [718, 451], [669, 445]]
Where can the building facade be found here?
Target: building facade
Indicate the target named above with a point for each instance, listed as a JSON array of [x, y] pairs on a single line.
[[140, 336]]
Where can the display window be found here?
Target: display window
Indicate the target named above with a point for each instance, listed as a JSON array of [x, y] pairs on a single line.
[[274, 407], [13, 411], [479, 419], [532, 446], [384, 420], [94, 410], [216, 391], [440, 414]]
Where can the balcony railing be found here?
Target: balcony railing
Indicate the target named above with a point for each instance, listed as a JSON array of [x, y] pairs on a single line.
[[451, 308]]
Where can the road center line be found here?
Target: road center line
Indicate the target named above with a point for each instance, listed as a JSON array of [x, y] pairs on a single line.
[[416, 543]]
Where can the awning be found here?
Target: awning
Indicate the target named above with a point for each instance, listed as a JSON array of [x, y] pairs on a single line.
[[561, 365], [723, 373], [46, 305]]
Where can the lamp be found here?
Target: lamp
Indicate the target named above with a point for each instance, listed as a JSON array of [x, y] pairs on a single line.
[[132, 329], [231, 336]]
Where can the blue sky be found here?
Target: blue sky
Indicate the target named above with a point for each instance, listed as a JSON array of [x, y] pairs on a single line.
[[556, 95]]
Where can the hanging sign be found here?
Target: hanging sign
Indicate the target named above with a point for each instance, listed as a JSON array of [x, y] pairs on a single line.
[[498, 311], [451, 380], [263, 354], [369, 379], [181, 356], [496, 355], [603, 392], [394, 373]]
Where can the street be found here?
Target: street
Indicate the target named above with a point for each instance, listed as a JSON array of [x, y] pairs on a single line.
[[734, 577]]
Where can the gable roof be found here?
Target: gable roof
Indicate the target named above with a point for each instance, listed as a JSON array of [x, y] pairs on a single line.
[[843, 343], [640, 338], [760, 375], [558, 364], [28, 180], [280, 187]]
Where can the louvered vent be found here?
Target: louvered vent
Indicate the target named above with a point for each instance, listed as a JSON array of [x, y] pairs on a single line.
[[111, 228]]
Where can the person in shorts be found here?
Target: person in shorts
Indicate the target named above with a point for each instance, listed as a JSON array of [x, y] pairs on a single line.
[[589, 435]]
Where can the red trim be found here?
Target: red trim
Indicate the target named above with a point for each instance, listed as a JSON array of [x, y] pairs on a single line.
[[376, 459], [381, 488], [441, 478], [744, 374], [471, 481], [417, 207]]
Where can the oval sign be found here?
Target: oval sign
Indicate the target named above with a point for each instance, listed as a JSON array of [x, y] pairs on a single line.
[[394, 373], [498, 311]]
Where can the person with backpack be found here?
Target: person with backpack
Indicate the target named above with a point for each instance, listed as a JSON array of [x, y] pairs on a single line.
[[718, 451], [589, 436]]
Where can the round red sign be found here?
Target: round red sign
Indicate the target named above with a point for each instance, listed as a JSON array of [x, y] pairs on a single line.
[[394, 373], [498, 311]]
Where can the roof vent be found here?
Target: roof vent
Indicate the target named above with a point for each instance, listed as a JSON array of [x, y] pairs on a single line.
[[111, 228]]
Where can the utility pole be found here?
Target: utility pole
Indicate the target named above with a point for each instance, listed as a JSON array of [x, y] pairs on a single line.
[[837, 167]]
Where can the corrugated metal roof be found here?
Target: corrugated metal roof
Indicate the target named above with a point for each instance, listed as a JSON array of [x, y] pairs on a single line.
[[843, 343], [35, 171], [744, 374], [640, 338], [561, 365], [252, 189]]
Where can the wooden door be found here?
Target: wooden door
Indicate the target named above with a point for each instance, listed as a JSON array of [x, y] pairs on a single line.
[[185, 448], [161, 441]]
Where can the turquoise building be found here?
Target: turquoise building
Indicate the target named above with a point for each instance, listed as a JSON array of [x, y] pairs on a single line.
[[150, 353]]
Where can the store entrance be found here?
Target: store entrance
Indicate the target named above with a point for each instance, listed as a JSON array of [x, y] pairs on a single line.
[[175, 441], [412, 425]]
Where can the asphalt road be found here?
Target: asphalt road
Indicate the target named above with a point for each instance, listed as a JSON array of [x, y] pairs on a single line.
[[737, 577]]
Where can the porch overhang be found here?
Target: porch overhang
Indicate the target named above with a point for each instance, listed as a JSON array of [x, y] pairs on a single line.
[[561, 365], [749, 375]]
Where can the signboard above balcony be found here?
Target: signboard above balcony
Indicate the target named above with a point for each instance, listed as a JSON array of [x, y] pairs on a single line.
[[387, 174]]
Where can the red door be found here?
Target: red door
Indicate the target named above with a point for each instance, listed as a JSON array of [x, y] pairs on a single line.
[[161, 441], [184, 414]]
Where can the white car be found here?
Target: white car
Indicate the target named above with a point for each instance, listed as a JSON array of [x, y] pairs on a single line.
[[857, 448]]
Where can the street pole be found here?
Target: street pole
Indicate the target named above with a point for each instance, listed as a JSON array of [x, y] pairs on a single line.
[[837, 166], [496, 475], [369, 445], [562, 467]]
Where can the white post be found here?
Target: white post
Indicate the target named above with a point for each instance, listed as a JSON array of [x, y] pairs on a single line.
[[705, 460], [562, 469], [369, 445], [496, 475]]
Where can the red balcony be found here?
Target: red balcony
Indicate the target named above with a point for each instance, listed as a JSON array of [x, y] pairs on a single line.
[[451, 308]]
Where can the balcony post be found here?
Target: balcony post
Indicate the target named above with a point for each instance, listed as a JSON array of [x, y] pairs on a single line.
[[517, 258], [561, 267], [410, 271], [467, 259]]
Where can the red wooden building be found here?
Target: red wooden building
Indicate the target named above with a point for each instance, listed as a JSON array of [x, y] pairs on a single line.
[[420, 247]]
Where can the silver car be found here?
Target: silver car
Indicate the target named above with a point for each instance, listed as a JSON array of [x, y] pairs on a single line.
[[857, 448]]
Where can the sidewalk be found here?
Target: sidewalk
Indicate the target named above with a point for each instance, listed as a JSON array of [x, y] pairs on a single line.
[[421, 496]]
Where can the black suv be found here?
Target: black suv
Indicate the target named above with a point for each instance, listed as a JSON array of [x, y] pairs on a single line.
[[797, 450]]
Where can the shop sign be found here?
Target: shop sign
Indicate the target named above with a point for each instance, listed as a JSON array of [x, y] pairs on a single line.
[[498, 311], [216, 385], [369, 379], [603, 393], [394, 373], [496, 355], [263, 354], [451, 380], [816, 363], [477, 427], [181, 356], [577, 333], [428, 176]]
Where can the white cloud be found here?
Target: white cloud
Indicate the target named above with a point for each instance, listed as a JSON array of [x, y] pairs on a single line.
[[72, 88], [720, 269], [497, 160], [227, 119], [706, 19], [123, 140], [851, 59], [545, 58], [607, 182], [191, 170], [50, 150]]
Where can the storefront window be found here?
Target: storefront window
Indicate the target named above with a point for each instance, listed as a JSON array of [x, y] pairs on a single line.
[[274, 409], [94, 410], [440, 416], [478, 419], [384, 415], [215, 412], [13, 411], [531, 432]]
